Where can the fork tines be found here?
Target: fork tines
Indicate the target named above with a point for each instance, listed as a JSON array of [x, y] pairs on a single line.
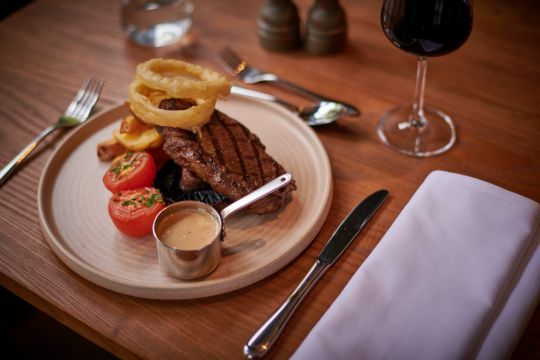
[[86, 98], [235, 62]]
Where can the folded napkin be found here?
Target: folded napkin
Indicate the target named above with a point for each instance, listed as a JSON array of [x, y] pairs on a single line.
[[456, 276]]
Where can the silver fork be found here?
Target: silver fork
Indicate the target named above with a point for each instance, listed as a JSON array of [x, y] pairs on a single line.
[[77, 112], [250, 75]]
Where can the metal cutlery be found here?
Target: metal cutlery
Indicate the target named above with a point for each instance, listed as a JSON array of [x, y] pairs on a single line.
[[77, 112], [250, 75], [322, 113], [264, 338]]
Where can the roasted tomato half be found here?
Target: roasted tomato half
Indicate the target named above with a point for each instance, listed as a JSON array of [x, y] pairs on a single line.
[[134, 211], [131, 170]]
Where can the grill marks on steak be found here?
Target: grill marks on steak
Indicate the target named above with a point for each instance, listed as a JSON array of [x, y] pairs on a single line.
[[230, 142], [231, 159]]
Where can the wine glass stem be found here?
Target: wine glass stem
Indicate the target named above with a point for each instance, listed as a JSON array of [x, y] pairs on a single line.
[[418, 119]]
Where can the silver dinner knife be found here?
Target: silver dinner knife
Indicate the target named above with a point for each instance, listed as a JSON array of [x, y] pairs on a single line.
[[263, 339]]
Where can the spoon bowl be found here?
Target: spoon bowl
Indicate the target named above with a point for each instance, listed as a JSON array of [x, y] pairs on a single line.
[[321, 113]]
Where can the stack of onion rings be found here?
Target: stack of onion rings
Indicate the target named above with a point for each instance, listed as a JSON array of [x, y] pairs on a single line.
[[159, 79]]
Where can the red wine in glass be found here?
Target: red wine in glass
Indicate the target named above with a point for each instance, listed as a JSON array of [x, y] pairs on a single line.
[[423, 28]]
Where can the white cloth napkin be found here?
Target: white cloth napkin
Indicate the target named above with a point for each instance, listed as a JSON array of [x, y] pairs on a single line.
[[456, 276]]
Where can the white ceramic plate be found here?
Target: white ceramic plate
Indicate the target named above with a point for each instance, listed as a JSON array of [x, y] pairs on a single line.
[[72, 205]]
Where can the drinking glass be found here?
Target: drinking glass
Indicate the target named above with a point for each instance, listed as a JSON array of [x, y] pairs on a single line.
[[423, 28], [156, 23]]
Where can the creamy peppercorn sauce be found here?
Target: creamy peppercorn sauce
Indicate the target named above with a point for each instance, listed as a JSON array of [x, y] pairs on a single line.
[[188, 229]]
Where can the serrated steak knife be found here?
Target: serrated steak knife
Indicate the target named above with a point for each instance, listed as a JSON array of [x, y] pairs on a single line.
[[263, 339]]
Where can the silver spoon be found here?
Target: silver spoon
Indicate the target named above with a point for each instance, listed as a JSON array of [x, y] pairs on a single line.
[[324, 112]]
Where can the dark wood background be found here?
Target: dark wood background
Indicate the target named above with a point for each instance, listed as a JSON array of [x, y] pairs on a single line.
[[490, 87]]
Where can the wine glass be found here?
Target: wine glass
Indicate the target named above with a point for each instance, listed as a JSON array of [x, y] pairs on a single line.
[[423, 28]]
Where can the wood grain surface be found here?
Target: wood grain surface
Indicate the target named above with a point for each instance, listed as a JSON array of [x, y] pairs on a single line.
[[489, 86]]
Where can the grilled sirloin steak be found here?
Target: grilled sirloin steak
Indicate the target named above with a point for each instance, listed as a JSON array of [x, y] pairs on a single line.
[[228, 157]]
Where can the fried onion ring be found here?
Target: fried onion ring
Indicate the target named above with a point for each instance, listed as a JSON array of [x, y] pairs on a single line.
[[181, 79], [144, 103]]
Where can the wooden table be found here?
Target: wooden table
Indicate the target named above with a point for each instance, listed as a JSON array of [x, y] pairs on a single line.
[[490, 86]]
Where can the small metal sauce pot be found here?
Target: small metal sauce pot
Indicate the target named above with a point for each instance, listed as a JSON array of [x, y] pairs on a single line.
[[192, 264]]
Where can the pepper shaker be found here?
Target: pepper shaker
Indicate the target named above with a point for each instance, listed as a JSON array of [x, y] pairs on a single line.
[[326, 28], [279, 25]]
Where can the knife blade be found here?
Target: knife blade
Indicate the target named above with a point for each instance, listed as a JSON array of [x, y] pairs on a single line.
[[265, 337], [351, 226]]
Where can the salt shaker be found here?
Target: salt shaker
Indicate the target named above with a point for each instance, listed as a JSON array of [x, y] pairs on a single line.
[[326, 31], [279, 25]]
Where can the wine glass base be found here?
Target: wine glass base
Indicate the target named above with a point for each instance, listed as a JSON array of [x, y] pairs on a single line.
[[436, 135]]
